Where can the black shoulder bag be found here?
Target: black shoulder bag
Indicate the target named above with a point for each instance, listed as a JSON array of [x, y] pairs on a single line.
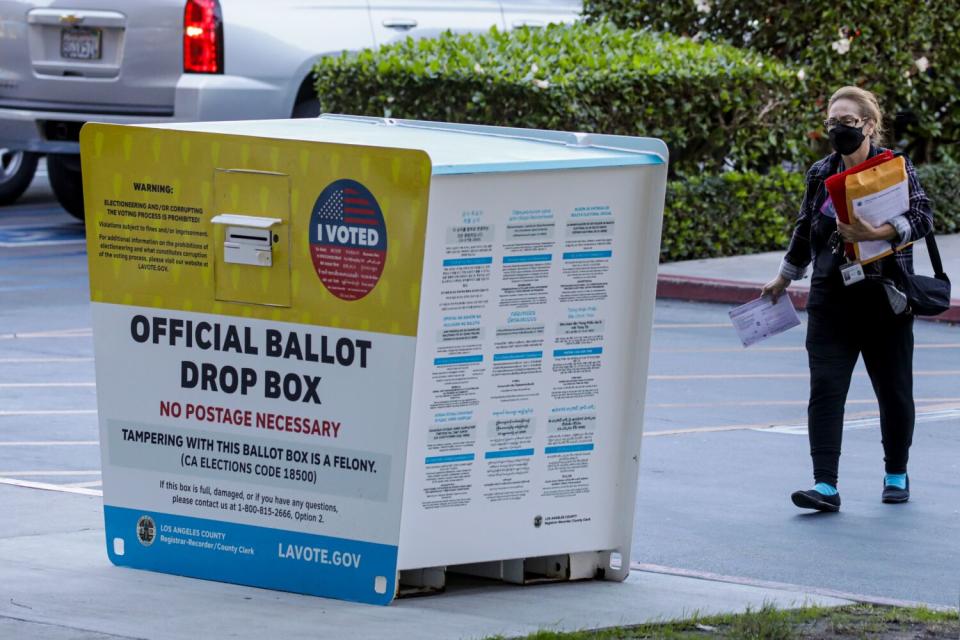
[[927, 296]]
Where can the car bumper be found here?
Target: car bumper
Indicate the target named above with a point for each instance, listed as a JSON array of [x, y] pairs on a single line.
[[198, 98]]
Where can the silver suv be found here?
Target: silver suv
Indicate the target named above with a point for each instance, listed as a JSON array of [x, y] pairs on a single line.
[[66, 62]]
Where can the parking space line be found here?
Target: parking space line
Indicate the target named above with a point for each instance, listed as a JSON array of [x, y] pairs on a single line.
[[742, 403], [44, 385], [44, 360], [771, 403], [730, 350], [88, 485], [932, 345], [728, 427], [49, 412], [868, 422], [858, 420], [61, 284], [16, 260], [44, 486], [755, 376], [51, 443], [692, 325], [47, 473], [44, 256], [83, 332], [758, 426], [727, 376]]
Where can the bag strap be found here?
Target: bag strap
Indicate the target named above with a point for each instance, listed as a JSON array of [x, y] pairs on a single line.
[[934, 252], [932, 249]]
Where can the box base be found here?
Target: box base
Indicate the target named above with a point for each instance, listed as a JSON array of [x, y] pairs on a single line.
[[567, 567]]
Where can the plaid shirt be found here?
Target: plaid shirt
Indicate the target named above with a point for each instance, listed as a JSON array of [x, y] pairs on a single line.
[[913, 225]]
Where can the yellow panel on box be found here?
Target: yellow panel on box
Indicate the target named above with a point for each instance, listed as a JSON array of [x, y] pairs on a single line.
[[284, 230]]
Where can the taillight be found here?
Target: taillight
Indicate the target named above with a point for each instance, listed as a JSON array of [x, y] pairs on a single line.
[[202, 37]]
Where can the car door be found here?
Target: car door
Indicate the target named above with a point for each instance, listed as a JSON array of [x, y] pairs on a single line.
[[276, 43], [396, 19], [539, 13]]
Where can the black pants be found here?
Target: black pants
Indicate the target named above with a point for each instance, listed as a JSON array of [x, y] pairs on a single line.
[[859, 321]]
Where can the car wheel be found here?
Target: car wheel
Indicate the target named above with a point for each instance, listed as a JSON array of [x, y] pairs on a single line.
[[65, 179], [307, 108], [16, 173]]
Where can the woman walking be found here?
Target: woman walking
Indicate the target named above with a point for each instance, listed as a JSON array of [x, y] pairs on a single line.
[[845, 322]]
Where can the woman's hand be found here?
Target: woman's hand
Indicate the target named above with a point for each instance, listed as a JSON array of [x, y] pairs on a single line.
[[775, 287], [860, 230]]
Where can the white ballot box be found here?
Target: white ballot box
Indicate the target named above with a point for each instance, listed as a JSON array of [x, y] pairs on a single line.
[[345, 356]]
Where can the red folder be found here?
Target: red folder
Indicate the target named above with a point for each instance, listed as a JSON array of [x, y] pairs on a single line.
[[837, 188]]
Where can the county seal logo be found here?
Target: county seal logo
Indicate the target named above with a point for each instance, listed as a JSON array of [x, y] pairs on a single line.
[[146, 530]]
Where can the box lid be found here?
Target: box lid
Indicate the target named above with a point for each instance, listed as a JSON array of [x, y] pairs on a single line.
[[456, 148]]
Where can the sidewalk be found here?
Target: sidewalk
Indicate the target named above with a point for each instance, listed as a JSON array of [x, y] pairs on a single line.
[[738, 279], [56, 583]]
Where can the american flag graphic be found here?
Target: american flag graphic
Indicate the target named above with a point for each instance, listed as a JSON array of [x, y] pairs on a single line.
[[348, 206], [348, 239]]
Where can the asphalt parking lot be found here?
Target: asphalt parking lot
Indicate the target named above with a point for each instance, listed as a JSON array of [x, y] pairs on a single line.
[[726, 444], [725, 434]]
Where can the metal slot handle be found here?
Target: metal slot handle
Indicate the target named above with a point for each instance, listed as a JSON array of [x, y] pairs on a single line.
[[404, 24], [254, 237], [248, 239]]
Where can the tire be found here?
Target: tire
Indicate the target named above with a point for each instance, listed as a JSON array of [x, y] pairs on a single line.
[[65, 179], [16, 173], [308, 108]]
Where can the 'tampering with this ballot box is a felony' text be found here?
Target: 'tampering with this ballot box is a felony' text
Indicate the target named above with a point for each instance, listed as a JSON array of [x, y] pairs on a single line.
[[344, 356]]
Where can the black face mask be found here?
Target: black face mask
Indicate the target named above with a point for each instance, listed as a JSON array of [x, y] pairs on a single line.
[[846, 139]]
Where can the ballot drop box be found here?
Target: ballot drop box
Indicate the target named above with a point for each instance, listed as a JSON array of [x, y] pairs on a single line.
[[348, 356]]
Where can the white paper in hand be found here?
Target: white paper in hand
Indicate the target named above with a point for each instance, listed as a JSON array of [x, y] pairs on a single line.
[[878, 208], [761, 318]]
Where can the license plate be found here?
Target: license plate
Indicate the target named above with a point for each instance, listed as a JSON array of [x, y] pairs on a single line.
[[80, 43]]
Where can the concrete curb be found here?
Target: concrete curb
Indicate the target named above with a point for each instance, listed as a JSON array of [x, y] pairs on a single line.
[[698, 289], [783, 586]]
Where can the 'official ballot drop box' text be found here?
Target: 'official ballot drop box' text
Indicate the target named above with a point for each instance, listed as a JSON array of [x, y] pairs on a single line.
[[341, 355]]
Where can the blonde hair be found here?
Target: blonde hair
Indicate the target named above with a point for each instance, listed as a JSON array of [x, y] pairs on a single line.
[[868, 106]]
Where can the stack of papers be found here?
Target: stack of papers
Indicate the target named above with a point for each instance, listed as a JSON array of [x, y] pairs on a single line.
[[873, 191]]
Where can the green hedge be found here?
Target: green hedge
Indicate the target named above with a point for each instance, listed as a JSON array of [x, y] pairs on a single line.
[[904, 51], [712, 104], [733, 213], [942, 184]]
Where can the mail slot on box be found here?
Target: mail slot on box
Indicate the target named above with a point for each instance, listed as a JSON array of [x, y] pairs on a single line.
[[250, 233], [248, 239]]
